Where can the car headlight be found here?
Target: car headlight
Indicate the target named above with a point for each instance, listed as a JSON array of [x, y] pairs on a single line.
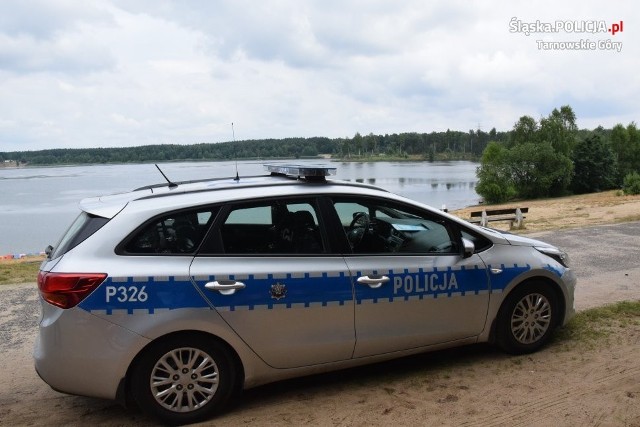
[[559, 255]]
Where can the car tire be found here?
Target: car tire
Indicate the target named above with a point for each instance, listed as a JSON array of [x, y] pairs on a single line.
[[527, 318], [184, 379]]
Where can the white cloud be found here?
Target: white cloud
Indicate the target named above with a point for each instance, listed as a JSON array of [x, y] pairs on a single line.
[[131, 72], [43, 19]]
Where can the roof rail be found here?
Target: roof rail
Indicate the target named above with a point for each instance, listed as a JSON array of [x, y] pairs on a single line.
[[309, 172]]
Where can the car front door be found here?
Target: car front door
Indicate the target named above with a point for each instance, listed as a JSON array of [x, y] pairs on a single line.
[[413, 287], [267, 270]]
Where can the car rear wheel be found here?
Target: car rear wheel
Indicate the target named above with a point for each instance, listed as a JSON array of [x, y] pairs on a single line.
[[527, 318], [183, 379]]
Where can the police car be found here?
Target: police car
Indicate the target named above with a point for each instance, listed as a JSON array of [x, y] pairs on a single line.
[[176, 296]]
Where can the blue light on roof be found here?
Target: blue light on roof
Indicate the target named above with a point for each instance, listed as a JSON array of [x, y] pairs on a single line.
[[301, 170]]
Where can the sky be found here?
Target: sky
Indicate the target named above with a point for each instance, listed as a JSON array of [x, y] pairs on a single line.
[[115, 73]]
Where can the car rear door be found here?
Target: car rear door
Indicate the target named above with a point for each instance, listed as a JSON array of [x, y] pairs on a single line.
[[266, 269]]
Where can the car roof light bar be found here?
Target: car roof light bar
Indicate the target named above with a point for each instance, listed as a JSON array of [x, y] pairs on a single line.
[[310, 172]]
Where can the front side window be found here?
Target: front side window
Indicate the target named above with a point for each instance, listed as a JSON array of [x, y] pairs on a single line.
[[274, 227], [379, 226], [174, 233]]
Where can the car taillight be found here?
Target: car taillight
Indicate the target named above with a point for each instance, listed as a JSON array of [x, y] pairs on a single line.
[[66, 290]]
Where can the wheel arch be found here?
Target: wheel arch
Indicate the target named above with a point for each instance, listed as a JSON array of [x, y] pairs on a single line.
[[124, 393], [555, 286]]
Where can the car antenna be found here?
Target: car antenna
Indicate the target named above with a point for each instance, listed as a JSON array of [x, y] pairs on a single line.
[[171, 184], [233, 132]]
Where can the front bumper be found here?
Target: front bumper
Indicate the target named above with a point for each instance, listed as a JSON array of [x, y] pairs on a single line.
[[570, 282]]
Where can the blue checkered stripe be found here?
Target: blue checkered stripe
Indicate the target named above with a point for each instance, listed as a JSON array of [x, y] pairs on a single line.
[[437, 283], [143, 295], [149, 295], [509, 272], [303, 290]]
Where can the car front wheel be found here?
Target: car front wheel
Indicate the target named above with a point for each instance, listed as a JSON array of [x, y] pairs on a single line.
[[183, 379], [527, 318]]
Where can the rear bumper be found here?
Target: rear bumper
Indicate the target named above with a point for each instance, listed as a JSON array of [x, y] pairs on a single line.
[[73, 358]]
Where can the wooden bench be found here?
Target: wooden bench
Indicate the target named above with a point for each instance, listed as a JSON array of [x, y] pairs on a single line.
[[514, 215]]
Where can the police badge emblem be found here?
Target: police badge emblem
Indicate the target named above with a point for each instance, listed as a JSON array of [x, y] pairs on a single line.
[[278, 291]]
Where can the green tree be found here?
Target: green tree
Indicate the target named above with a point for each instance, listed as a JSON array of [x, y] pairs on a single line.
[[537, 170], [345, 147], [625, 142], [595, 166], [495, 184], [525, 130], [358, 143], [534, 163], [560, 130], [622, 149]]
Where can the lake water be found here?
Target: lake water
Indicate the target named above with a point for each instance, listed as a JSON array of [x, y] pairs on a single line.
[[38, 204]]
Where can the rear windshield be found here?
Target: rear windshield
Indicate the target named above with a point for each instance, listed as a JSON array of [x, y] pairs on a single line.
[[83, 226]]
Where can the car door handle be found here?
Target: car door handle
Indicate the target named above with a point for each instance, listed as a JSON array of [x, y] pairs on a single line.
[[225, 287], [374, 282]]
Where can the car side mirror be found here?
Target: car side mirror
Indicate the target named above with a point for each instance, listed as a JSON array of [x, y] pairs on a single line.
[[468, 248]]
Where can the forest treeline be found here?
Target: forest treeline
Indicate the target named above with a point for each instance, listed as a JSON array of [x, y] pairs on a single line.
[[536, 158], [428, 146]]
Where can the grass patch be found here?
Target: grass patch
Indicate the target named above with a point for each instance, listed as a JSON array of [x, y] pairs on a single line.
[[19, 271], [594, 324]]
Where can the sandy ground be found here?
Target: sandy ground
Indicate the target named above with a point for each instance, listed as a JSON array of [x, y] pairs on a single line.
[[569, 212], [573, 384]]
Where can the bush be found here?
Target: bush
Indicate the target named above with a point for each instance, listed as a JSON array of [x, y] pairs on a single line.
[[631, 183], [494, 193]]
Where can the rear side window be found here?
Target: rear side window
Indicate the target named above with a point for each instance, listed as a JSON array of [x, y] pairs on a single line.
[[276, 227], [174, 233], [83, 227]]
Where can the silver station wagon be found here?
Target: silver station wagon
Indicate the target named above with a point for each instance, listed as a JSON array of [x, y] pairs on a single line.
[[177, 296]]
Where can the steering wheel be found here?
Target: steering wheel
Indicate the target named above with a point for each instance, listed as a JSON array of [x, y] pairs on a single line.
[[358, 228]]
